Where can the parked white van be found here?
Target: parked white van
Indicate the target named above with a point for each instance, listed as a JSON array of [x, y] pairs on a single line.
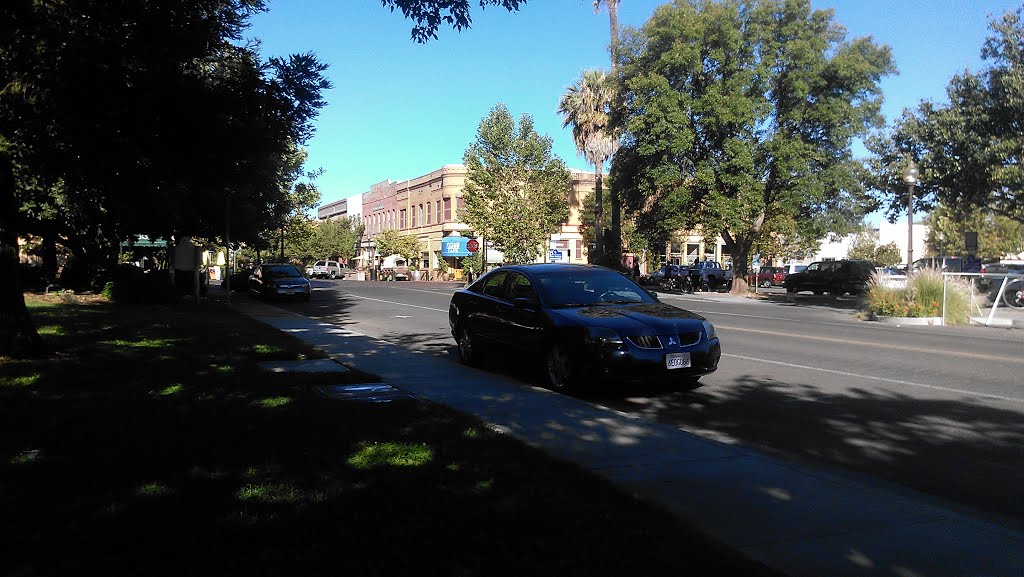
[[394, 267]]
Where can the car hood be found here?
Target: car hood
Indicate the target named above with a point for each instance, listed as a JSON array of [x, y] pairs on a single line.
[[632, 319]]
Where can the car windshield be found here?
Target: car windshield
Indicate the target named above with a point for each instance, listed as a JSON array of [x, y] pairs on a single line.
[[282, 271], [589, 287]]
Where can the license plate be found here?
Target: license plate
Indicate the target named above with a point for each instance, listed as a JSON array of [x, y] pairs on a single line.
[[677, 360]]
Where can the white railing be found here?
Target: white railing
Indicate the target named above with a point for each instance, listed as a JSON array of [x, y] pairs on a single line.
[[973, 276]]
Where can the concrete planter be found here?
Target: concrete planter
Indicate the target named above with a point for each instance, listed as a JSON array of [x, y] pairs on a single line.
[[910, 321]]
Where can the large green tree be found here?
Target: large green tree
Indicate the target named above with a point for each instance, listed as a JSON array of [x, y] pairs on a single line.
[[971, 149], [339, 238], [739, 118], [141, 118], [865, 246], [998, 236], [390, 242], [429, 15], [516, 191]]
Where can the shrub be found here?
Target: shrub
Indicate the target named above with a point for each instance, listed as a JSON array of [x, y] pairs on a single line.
[[922, 297], [925, 287], [130, 284]]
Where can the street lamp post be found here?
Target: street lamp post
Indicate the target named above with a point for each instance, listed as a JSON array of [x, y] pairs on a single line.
[[911, 175]]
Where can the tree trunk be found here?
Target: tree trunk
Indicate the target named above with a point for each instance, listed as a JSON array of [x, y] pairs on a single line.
[[598, 256], [613, 47], [740, 251], [15, 322]]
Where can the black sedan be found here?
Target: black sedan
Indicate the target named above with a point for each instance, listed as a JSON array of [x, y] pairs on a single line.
[[279, 281], [586, 322]]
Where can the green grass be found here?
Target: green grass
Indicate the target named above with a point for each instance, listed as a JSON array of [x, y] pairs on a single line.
[[153, 490], [274, 402], [372, 455], [171, 390], [142, 343], [21, 381], [132, 451]]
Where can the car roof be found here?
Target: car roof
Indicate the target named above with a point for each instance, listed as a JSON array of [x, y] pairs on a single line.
[[553, 267]]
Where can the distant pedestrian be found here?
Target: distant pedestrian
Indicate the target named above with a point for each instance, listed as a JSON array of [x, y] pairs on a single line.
[[636, 271]]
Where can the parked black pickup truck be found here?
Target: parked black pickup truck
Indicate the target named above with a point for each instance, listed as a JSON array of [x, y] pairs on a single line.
[[709, 275]]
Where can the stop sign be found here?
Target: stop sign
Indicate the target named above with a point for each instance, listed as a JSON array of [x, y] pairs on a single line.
[[472, 245]]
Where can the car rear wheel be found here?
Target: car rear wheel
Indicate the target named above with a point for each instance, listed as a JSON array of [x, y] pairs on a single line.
[[468, 352], [560, 372], [333, 275]]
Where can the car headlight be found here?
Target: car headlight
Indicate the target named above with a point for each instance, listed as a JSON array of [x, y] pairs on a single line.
[[709, 330], [605, 338]]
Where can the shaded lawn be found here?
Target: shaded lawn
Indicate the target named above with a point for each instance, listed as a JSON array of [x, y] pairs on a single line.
[[149, 443]]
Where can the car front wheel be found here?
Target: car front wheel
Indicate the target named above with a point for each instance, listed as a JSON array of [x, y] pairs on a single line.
[[766, 284], [560, 372]]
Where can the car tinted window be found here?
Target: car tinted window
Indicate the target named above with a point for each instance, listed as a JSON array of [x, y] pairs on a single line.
[[494, 285], [585, 287], [282, 271], [814, 266], [521, 288], [319, 263]]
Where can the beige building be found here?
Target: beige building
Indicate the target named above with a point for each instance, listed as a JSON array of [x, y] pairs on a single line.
[[427, 207], [687, 247]]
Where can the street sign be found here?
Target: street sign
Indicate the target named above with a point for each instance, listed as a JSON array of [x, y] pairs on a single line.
[[971, 242], [555, 255], [757, 262], [472, 245]]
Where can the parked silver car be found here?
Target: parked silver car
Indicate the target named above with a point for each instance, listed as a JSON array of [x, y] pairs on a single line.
[[279, 281]]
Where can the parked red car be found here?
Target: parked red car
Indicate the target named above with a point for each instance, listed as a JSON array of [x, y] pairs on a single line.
[[768, 276]]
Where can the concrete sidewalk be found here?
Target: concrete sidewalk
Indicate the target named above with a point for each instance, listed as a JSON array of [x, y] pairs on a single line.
[[801, 520]]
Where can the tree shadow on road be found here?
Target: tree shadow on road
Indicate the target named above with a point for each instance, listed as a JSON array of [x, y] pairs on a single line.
[[845, 303], [962, 449]]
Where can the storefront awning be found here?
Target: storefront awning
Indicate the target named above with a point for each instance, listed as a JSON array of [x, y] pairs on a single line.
[[144, 241]]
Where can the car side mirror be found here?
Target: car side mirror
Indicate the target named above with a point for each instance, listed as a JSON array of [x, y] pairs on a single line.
[[524, 303], [653, 294]]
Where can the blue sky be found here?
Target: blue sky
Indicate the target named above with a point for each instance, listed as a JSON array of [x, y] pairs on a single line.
[[400, 109]]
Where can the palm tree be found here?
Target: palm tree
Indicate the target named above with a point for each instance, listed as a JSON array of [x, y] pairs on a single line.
[[613, 49], [613, 27], [585, 106]]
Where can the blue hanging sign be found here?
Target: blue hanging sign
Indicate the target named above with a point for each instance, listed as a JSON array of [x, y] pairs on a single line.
[[454, 246]]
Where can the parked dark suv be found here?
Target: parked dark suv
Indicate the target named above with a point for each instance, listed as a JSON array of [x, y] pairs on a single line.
[[836, 277]]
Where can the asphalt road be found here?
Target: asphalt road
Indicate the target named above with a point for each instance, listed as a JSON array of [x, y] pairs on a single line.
[[936, 409]]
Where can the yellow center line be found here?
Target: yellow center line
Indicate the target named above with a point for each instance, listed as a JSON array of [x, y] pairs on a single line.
[[885, 345]]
